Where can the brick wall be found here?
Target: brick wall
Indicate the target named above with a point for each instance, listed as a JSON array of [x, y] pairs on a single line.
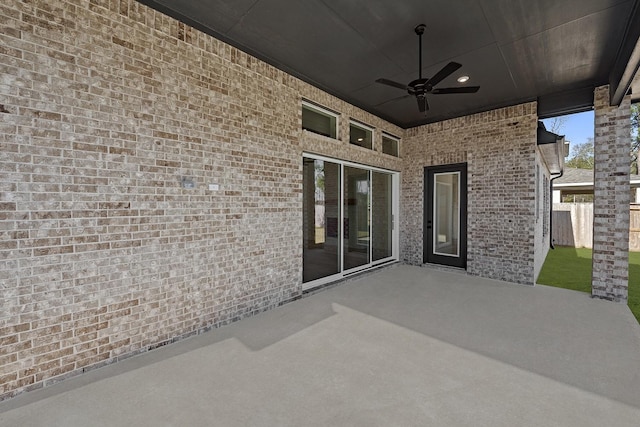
[[340, 148], [104, 107], [499, 148], [611, 197]]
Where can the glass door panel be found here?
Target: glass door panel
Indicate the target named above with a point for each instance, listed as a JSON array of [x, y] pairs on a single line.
[[446, 221], [381, 215], [348, 213], [445, 215], [356, 205], [321, 219]]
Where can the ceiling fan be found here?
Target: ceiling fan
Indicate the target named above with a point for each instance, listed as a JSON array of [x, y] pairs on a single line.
[[421, 86]]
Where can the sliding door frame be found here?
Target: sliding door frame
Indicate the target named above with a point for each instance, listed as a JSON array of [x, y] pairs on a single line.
[[395, 239]]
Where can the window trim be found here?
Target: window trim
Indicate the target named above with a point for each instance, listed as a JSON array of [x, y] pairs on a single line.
[[364, 127], [394, 138], [323, 111]]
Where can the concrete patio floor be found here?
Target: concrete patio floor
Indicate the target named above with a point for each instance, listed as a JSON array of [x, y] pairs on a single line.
[[406, 346]]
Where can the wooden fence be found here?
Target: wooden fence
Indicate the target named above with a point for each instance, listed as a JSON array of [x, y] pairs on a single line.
[[634, 228], [573, 225]]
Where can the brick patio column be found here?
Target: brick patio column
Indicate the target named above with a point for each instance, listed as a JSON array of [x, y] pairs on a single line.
[[610, 277]]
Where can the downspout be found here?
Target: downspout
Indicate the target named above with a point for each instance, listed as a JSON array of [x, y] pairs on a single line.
[[547, 139], [551, 207]]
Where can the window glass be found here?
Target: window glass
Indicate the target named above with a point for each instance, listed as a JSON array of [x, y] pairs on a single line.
[[382, 215], [348, 213], [318, 120], [356, 208], [361, 135], [390, 145], [321, 219], [446, 219]]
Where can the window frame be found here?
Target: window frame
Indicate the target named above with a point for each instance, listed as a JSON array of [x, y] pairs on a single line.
[[393, 138], [364, 127], [395, 228], [324, 112]]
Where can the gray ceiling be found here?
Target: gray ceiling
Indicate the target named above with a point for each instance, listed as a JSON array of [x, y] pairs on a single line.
[[555, 51]]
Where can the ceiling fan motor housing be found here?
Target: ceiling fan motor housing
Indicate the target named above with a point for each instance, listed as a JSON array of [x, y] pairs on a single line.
[[419, 86]]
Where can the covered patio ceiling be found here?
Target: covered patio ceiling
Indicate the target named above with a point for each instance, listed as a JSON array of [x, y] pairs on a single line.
[[552, 51]]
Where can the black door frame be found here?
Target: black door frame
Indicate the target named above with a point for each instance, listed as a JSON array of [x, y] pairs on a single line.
[[428, 255]]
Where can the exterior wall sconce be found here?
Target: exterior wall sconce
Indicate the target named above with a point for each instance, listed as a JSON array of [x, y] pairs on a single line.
[[188, 183]]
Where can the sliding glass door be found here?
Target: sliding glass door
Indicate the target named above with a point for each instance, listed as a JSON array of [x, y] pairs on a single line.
[[321, 213], [382, 221], [348, 219], [356, 204]]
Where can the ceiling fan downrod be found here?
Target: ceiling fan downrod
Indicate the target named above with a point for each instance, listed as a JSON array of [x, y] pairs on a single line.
[[420, 31], [420, 87]]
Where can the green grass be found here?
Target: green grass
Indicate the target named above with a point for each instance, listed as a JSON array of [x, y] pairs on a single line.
[[570, 268]]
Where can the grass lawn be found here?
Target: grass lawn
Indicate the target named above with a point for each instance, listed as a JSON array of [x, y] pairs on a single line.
[[570, 268]]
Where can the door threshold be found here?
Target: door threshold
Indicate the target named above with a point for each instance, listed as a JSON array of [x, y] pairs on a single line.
[[445, 268], [347, 278]]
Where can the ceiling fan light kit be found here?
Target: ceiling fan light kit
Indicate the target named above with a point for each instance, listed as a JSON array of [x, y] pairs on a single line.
[[423, 86]]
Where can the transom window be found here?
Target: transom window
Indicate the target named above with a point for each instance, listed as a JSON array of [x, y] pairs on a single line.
[[390, 145], [319, 120], [360, 134]]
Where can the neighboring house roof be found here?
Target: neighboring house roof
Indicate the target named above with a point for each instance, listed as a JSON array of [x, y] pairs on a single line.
[[583, 178]]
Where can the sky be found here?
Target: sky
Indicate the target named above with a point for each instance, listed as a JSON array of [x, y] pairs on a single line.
[[577, 128]]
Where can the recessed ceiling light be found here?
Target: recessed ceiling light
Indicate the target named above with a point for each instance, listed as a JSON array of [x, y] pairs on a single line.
[[463, 79], [360, 139]]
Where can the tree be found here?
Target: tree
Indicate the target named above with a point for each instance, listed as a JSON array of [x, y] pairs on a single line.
[[635, 137], [581, 156], [557, 124]]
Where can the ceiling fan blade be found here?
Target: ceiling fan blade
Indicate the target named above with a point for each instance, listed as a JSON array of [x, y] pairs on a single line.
[[448, 69], [465, 89], [423, 105], [392, 83]]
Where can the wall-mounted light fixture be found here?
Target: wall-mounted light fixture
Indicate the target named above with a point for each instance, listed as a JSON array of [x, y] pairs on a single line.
[[188, 182]]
